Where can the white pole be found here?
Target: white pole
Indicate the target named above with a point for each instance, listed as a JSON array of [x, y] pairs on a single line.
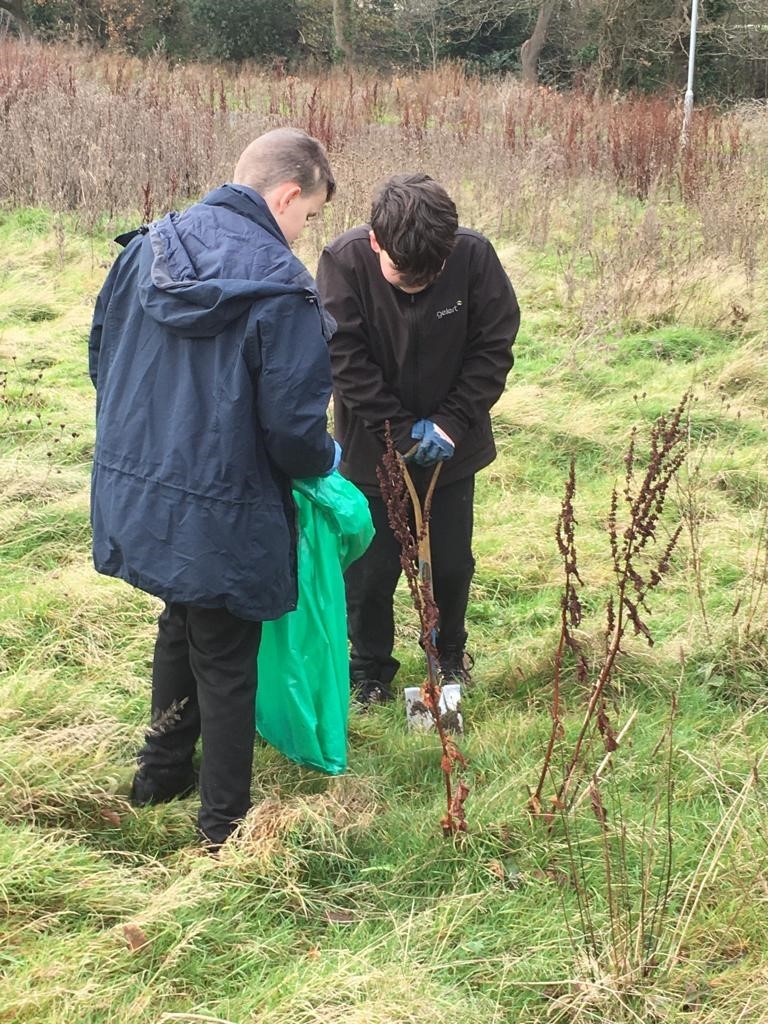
[[688, 104]]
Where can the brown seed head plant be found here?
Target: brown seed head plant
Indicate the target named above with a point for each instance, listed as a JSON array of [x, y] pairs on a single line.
[[622, 957], [392, 481], [638, 569]]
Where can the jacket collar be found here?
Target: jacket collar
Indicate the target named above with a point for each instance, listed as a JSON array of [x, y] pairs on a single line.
[[247, 203]]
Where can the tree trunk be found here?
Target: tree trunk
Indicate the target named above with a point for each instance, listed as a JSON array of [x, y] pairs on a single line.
[[16, 10], [531, 48], [341, 29]]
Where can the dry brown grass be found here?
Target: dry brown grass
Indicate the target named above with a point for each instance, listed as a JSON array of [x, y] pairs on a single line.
[[638, 229]]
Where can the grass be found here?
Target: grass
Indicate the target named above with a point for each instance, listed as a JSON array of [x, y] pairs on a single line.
[[341, 902]]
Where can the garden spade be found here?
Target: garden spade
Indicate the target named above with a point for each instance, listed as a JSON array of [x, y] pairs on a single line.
[[417, 713]]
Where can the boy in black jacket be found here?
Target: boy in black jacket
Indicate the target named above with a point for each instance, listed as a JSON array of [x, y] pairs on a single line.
[[426, 322]]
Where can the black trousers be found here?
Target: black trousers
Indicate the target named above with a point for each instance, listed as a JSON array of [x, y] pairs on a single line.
[[372, 579], [204, 684]]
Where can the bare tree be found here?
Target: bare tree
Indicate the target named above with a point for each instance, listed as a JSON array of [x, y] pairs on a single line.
[[342, 28], [16, 10], [431, 23], [531, 48]]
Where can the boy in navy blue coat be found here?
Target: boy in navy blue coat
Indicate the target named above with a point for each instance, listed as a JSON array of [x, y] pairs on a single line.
[[209, 355]]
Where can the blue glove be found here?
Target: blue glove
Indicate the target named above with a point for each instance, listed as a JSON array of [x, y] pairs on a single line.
[[435, 444], [336, 459]]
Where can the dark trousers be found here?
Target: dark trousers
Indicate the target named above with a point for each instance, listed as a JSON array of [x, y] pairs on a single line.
[[204, 685], [372, 579]]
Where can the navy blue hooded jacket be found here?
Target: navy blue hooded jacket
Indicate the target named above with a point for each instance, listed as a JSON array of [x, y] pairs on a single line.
[[208, 352]]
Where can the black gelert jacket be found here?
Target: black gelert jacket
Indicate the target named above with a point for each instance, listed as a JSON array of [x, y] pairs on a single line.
[[442, 354]]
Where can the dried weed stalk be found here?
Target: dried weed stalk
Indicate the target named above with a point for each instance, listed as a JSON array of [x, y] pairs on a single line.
[[638, 570], [392, 481], [620, 958], [623, 928], [570, 619]]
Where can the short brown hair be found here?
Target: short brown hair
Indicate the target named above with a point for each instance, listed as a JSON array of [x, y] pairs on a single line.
[[285, 154], [415, 222]]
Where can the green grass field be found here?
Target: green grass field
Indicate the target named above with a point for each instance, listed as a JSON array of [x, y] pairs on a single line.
[[342, 902]]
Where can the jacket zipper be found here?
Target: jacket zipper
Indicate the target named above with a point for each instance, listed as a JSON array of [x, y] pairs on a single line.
[[412, 341]]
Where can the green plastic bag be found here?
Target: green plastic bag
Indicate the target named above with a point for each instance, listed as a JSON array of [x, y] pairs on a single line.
[[302, 701]]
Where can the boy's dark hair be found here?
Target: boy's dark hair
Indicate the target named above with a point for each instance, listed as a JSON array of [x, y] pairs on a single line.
[[415, 222]]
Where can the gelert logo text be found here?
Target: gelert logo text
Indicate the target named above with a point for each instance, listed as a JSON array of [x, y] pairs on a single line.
[[450, 309]]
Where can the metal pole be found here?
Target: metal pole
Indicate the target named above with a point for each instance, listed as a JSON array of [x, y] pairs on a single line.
[[688, 103]]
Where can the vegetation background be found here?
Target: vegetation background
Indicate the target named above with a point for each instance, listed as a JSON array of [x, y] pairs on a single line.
[[640, 264], [592, 44]]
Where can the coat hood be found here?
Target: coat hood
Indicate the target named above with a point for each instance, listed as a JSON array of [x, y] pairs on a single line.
[[202, 269]]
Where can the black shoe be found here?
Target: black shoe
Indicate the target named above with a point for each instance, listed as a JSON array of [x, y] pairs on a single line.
[[161, 787], [371, 691], [455, 665], [208, 845]]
